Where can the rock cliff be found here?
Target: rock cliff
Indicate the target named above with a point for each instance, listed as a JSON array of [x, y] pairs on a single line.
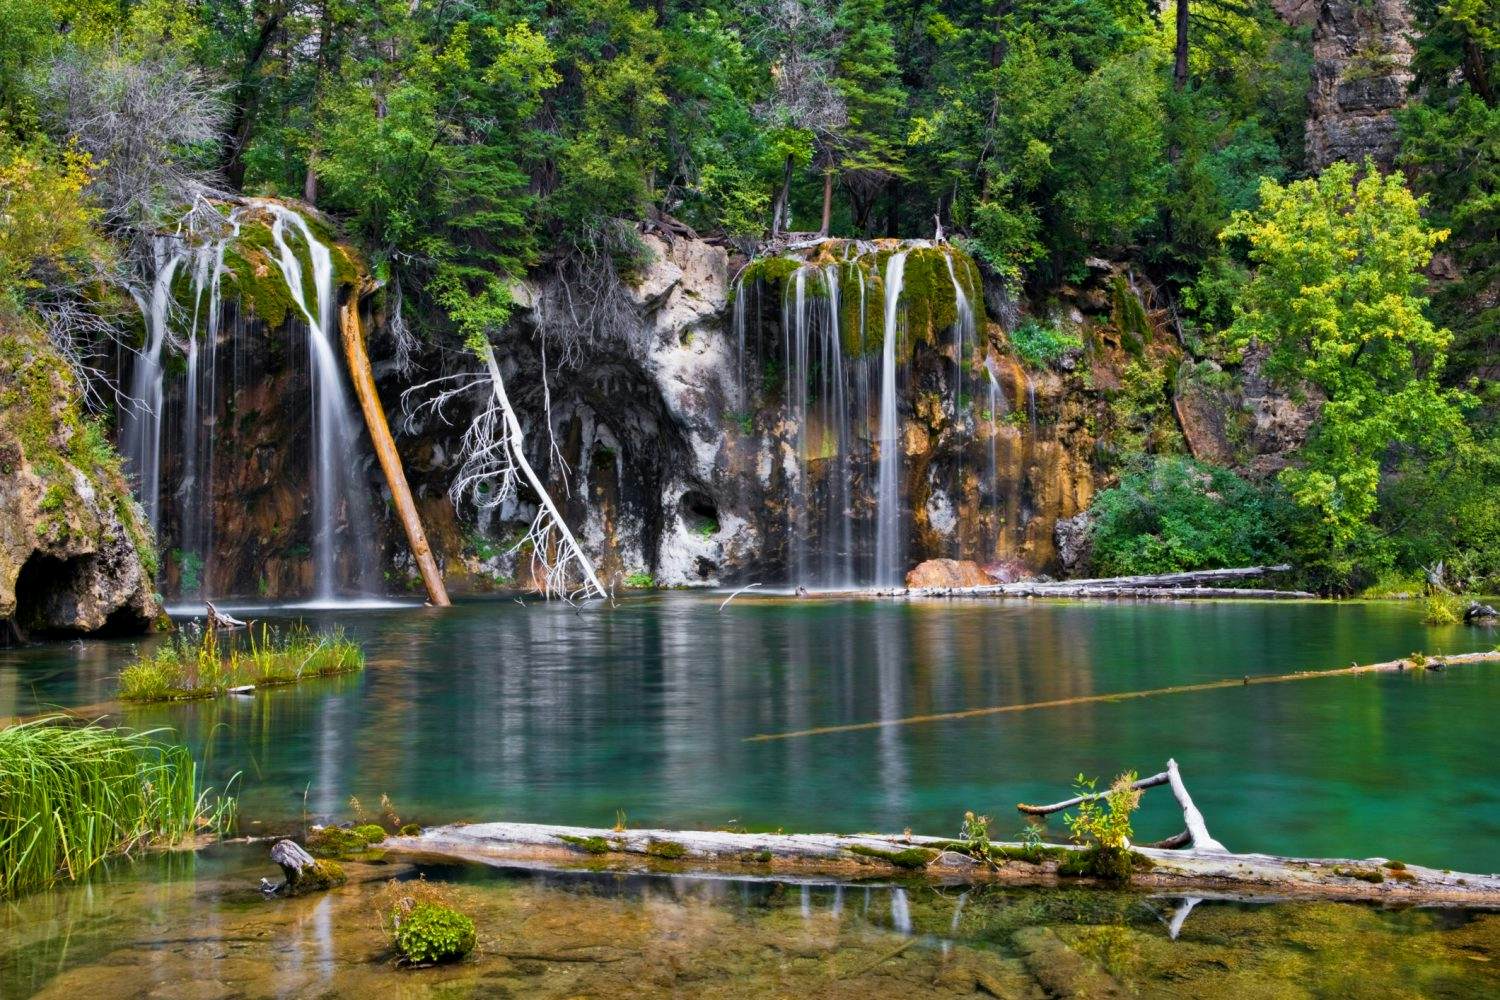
[[75, 555], [1362, 52]]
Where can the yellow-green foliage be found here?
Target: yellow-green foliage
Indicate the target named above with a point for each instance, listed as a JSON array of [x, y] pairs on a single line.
[[45, 218], [193, 664], [40, 408], [1442, 609]]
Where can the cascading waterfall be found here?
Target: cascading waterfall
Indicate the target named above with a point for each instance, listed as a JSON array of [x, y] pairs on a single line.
[[841, 388], [195, 331], [335, 433], [889, 554]]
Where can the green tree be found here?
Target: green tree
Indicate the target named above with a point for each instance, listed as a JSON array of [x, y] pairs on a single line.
[[1336, 299], [1451, 139], [868, 78]]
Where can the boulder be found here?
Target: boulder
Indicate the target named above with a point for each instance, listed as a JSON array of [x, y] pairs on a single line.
[[1479, 612], [948, 573]]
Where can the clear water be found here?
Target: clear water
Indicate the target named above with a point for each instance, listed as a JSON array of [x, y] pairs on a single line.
[[494, 710], [194, 926]]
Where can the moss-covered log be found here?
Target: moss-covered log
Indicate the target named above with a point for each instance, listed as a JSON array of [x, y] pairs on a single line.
[[788, 857]]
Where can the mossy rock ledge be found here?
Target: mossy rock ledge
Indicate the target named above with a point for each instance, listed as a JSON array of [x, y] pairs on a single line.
[[76, 554]]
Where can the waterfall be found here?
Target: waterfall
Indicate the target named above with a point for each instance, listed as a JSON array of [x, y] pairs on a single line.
[[194, 329], [889, 552], [140, 423], [335, 433], [963, 333]]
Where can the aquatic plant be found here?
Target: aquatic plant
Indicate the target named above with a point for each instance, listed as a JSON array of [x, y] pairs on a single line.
[[193, 665], [974, 835], [422, 923], [71, 796], [1103, 826]]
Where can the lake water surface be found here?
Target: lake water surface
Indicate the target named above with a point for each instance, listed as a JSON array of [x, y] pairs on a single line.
[[494, 710]]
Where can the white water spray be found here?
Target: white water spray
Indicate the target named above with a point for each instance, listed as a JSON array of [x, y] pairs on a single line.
[[889, 551]]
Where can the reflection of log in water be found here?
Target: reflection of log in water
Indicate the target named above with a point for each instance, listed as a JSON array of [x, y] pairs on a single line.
[[1389, 666]]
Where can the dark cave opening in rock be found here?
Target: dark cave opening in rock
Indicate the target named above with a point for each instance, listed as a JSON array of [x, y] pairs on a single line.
[[698, 511], [41, 580]]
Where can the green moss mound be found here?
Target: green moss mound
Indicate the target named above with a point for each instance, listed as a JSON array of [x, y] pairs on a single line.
[[373, 833], [337, 842], [433, 933], [911, 858]]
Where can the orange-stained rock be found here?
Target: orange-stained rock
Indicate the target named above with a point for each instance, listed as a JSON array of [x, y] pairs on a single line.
[[948, 573]]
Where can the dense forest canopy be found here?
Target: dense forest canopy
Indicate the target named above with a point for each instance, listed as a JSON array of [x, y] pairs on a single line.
[[463, 145]]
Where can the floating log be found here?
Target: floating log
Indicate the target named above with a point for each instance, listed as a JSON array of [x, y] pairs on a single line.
[[385, 450], [819, 857]]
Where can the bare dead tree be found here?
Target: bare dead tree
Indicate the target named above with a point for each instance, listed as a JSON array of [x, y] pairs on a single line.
[[149, 123]]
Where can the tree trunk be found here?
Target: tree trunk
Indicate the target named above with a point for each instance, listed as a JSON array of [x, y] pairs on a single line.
[[827, 201], [385, 450], [783, 196], [1180, 63], [310, 182]]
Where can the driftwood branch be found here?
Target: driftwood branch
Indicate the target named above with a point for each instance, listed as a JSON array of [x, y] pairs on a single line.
[[1151, 782], [300, 871], [1196, 828], [219, 620]]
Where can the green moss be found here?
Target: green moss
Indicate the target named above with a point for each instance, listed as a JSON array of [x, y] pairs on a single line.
[[411, 829], [588, 845], [1129, 317], [373, 833], [433, 933], [770, 271], [256, 279], [1394, 865], [317, 877], [912, 858], [760, 857], [335, 842], [1372, 875], [667, 849]]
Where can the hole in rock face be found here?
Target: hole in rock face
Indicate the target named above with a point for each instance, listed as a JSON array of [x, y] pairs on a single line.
[[698, 511], [41, 580]]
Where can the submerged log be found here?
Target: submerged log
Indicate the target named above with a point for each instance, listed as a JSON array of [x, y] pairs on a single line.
[[815, 857], [385, 450]]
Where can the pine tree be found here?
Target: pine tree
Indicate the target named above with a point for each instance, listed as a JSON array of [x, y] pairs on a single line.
[[868, 78]]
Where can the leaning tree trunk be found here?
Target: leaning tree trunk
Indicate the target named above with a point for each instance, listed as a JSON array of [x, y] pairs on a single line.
[[827, 202], [385, 450]]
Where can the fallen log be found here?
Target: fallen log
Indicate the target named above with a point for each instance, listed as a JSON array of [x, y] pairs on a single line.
[[1162, 585], [819, 857], [386, 452]]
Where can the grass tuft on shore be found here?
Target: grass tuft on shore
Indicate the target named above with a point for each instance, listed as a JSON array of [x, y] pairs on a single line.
[[195, 664], [72, 796]]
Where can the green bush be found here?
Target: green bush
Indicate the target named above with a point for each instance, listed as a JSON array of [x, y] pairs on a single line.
[[1039, 345], [1442, 609], [1170, 514], [431, 933]]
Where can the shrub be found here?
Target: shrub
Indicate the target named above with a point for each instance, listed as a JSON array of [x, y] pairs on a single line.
[[1170, 514], [639, 581], [1039, 345], [71, 796], [1103, 825], [1442, 609]]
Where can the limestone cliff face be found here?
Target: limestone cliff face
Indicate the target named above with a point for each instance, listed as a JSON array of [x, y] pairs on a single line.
[[75, 556], [1362, 52]]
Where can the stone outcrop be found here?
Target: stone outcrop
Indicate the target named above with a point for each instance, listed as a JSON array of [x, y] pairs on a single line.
[[75, 556], [947, 573], [1243, 422], [1362, 52]]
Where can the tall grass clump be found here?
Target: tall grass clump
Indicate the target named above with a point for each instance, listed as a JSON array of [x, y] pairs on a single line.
[[71, 796], [196, 664]]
